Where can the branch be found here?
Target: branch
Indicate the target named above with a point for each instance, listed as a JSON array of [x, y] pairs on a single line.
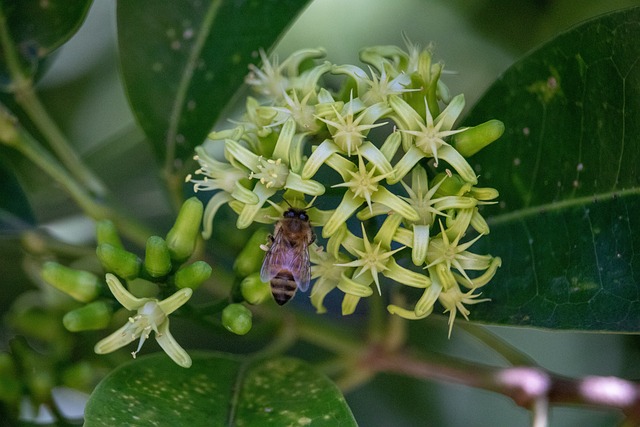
[[530, 387]]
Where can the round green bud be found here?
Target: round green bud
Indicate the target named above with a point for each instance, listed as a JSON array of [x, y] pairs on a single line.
[[254, 290], [91, 317], [192, 275], [237, 318], [251, 256], [157, 260], [119, 261], [80, 285], [476, 138], [106, 232], [182, 237]]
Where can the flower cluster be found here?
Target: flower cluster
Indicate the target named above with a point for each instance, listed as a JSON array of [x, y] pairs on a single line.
[[384, 144]]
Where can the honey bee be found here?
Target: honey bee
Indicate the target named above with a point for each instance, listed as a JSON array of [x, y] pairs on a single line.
[[286, 264]]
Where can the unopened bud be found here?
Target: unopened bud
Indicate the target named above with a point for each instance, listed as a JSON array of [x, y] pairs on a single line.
[[157, 260], [237, 318], [255, 291], [119, 261], [476, 138], [182, 237], [192, 275], [106, 232], [91, 317], [80, 285], [250, 258]]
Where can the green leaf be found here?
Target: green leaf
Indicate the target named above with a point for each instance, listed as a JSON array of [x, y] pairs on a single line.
[[218, 390], [567, 226], [38, 27], [183, 62], [15, 210]]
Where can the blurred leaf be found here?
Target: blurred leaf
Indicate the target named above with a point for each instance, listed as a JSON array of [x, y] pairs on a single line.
[[39, 27], [15, 211], [567, 226], [218, 390], [183, 61]]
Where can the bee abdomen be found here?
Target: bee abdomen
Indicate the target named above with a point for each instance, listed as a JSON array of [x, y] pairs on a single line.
[[283, 287]]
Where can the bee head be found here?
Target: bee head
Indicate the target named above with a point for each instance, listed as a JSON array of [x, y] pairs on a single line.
[[296, 213]]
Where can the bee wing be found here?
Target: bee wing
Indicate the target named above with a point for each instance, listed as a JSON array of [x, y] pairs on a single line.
[[283, 257], [300, 267]]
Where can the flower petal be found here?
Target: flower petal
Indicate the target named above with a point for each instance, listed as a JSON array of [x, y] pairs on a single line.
[[395, 203], [347, 206], [306, 186], [320, 154], [210, 211], [375, 156], [171, 346], [175, 301], [123, 296], [249, 212], [116, 340], [459, 163], [447, 118], [424, 306], [236, 151], [420, 243], [405, 276], [406, 163], [283, 145]]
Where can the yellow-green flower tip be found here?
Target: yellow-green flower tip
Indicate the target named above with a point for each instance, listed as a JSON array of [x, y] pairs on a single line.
[[476, 138], [83, 286], [237, 319], [192, 275], [93, 316], [119, 261], [182, 238], [157, 260], [255, 291]]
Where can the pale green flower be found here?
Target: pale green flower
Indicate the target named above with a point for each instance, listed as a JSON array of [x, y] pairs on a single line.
[[453, 300], [364, 185], [152, 315], [429, 137]]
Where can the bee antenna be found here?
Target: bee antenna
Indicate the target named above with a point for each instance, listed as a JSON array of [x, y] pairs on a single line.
[[310, 205], [287, 202], [276, 206]]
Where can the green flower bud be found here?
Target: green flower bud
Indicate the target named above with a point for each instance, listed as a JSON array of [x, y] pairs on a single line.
[[91, 317], [10, 386], [157, 260], [119, 261], [106, 232], [237, 318], [250, 258], [193, 275], [80, 285], [254, 290], [476, 138], [182, 237]]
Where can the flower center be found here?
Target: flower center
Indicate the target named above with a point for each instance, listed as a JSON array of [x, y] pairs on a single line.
[[149, 317], [271, 173]]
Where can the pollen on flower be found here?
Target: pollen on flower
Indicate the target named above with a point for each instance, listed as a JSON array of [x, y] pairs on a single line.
[[272, 173]]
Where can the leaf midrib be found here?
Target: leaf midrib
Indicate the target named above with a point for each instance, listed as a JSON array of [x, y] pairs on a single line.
[[556, 206]]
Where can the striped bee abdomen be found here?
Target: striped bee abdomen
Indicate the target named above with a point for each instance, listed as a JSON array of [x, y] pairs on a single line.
[[283, 287]]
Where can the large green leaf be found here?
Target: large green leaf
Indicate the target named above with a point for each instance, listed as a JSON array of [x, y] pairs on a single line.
[[38, 27], [218, 390], [568, 223], [183, 60]]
